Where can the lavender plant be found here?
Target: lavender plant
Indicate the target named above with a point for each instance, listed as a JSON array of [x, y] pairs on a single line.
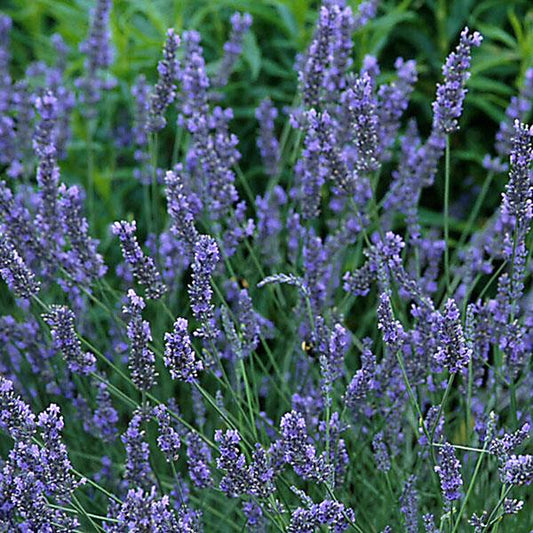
[[326, 340]]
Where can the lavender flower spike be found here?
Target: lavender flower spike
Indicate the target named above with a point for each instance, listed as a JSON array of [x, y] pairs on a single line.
[[240, 24], [393, 101], [312, 73], [44, 136], [518, 470], [298, 452], [13, 270], [393, 332], [381, 453], [97, 44], [409, 505], [363, 379], [44, 143], [144, 510], [142, 359], [334, 515], [61, 322], [236, 479], [517, 202], [165, 90], [448, 104], [169, 441], [360, 103], [179, 354], [143, 267], [449, 471], [206, 257], [518, 109], [15, 415], [453, 351], [98, 52], [83, 259], [267, 142], [179, 208], [137, 470], [198, 459], [56, 464]]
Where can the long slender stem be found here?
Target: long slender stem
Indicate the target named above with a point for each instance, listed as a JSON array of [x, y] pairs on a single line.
[[470, 488], [155, 189], [447, 215], [505, 493], [442, 404]]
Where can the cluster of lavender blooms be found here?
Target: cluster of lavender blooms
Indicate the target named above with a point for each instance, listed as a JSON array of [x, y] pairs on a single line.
[[303, 359]]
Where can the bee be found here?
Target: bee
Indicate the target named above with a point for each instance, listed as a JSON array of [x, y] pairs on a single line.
[[242, 282], [309, 349]]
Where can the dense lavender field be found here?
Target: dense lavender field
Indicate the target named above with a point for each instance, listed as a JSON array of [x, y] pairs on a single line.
[[259, 273]]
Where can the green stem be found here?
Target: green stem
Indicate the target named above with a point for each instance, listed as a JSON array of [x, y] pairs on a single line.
[[80, 508], [470, 488], [351, 522], [90, 173], [442, 403], [446, 215], [248, 397], [505, 493], [155, 189]]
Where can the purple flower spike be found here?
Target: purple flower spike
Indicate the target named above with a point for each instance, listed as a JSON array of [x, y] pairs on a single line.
[[449, 471], [16, 416], [381, 453], [409, 505], [143, 267], [179, 209], [267, 142], [363, 380], [44, 143], [313, 70], [198, 459], [453, 351], [82, 260], [361, 106], [298, 452], [328, 513], [142, 359], [58, 469], [169, 440], [61, 322], [517, 201], [394, 334], [165, 90], [13, 270], [518, 470], [206, 257], [393, 100], [137, 470], [448, 105], [179, 354], [240, 24], [98, 56], [143, 510]]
